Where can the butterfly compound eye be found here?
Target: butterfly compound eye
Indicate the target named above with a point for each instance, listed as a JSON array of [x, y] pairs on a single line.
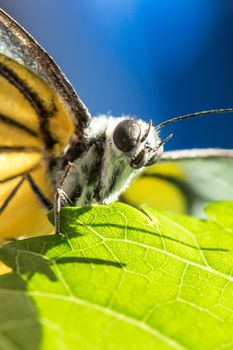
[[126, 135]]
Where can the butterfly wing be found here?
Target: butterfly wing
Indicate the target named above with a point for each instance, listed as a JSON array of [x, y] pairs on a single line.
[[160, 186], [40, 115], [18, 45], [185, 182]]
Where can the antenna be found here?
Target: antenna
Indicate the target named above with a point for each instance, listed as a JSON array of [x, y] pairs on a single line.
[[193, 115]]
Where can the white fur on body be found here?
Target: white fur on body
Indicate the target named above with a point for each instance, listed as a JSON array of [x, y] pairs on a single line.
[[114, 174]]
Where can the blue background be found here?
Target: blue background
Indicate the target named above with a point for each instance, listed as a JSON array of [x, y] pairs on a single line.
[[150, 58]]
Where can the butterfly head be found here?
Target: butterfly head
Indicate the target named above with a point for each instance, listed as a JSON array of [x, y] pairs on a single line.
[[139, 142]]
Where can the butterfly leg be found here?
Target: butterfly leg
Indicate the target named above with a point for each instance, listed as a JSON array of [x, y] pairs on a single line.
[[60, 196]]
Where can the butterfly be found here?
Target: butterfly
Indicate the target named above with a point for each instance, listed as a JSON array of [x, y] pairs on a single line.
[[51, 151]]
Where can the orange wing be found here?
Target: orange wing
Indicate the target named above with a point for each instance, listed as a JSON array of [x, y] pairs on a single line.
[[34, 127]]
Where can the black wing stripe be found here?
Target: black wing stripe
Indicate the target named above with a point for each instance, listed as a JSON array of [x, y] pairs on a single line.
[[7, 120], [9, 178], [10, 149], [42, 198], [35, 101], [12, 194]]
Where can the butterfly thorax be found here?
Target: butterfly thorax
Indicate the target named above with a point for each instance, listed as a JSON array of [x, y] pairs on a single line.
[[102, 171]]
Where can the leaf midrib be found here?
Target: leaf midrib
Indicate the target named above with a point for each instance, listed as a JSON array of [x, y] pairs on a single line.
[[203, 267]]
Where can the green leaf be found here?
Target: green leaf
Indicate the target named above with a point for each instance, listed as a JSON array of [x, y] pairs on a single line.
[[121, 279]]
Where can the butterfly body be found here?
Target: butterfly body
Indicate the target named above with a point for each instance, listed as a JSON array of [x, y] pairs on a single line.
[[44, 126], [103, 171]]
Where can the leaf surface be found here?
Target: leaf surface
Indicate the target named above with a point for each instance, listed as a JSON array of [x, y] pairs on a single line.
[[121, 279]]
